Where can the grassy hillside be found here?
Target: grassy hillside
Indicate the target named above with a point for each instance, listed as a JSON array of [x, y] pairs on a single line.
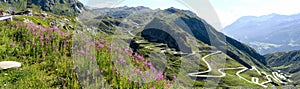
[[44, 53], [287, 62], [56, 58], [61, 52], [48, 59]]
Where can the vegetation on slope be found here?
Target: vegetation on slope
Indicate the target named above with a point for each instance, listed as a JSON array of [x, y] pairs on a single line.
[[52, 58], [61, 7], [44, 53], [286, 62]]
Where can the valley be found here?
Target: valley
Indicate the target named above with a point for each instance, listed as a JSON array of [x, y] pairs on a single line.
[[278, 41], [62, 44], [277, 33]]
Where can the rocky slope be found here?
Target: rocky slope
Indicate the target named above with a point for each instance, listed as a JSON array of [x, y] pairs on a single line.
[[267, 34], [182, 21], [62, 7]]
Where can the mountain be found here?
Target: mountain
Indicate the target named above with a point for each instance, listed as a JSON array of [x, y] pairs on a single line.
[[29, 35], [268, 33], [191, 24], [287, 62], [62, 7], [123, 47], [176, 33]]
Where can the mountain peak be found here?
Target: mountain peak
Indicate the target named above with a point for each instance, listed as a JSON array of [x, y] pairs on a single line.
[[172, 10], [270, 15]]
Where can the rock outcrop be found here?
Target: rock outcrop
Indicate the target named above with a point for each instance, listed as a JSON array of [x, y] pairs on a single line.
[[61, 7]]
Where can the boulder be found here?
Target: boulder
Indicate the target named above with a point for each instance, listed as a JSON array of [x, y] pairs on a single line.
[[9, 64]]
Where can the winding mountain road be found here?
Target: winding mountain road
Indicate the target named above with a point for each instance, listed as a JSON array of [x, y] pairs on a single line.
[[254, 80], [129, 32]]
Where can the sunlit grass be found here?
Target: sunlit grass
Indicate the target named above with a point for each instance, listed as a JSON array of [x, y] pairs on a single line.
[[55, 58]]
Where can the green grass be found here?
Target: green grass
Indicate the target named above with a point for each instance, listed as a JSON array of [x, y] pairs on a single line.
[[181, 66], [57, 62], [45, 63], [16, 6], [249, 74], [232, 81], [52, 59], [60, 63]]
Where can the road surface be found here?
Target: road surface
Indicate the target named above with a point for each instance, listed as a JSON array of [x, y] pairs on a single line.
[[254, 80]]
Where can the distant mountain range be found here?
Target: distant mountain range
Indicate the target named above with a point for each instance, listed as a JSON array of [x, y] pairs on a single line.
[[275, 35], [268, 33]]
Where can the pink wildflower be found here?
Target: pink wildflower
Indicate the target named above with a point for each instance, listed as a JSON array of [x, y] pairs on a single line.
[[174, 77], [122, 60], [41, 37], [135, 81], [153, 87], [35, 34], [47, 38], [160, 76], [102, 70], [62, 33], [139, 56], [148, 64], [81, 52], [144, 79], [97, 70], [100, 45], [44, 29], [140, 84], [147, 73], [128, 79], [137, 70], [88, 73], [169, 85]]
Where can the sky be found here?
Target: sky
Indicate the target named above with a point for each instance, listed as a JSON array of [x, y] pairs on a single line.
[[227, 11], [230, 10]]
